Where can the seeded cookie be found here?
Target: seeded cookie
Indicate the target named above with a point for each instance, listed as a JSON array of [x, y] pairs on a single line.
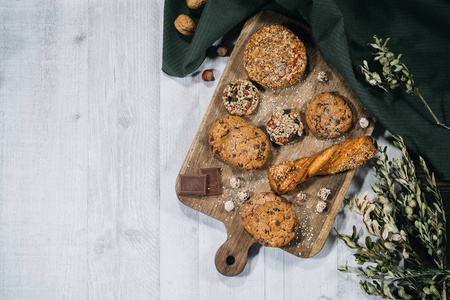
[[275, 57], [272, 222], [233, 139], [328, 115], [284, 127], [240, 98]]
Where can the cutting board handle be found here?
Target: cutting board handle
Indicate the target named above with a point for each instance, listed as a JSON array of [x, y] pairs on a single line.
[[231, 257]]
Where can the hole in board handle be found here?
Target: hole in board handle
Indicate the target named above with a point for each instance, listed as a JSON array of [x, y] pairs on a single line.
[[230, 260]]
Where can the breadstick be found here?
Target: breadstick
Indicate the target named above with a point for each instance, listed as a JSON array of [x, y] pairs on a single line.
[[351, 154]]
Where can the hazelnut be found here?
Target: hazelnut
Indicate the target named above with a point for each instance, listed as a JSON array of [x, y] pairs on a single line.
[[194, 4], [222, 50], [208, 75], [185, 25]]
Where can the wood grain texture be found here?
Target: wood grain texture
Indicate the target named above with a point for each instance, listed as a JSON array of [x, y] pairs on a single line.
[[314, 227], [123, 173], [43, 163], [79, 177]]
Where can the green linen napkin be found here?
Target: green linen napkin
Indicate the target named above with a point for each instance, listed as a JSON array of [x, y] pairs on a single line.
[[342, 29]]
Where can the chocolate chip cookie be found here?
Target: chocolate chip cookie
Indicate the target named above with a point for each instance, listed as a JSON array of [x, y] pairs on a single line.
[[271, 221], [233, 139], [249, 207], [328, 115]]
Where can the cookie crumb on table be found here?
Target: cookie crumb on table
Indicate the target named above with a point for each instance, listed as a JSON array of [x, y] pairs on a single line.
[[242, 195], [229, 205], [321, 205], [322, 77], [363, 122], [324, 193], [235, 182], [301, 197]]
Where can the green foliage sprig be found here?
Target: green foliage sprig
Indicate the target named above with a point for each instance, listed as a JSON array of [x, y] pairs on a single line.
[[395, 73], [399, 215]]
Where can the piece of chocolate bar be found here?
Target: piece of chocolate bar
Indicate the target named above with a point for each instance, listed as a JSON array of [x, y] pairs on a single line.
[[192, 184], [213, 183]]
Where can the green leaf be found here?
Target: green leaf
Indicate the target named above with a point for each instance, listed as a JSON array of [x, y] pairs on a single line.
[[369, 243], [354, 233], [434, 291], [401, 292]]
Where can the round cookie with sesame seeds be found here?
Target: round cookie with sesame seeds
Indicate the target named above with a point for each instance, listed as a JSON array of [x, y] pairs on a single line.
[[284, 127], [328, 115], [240, 98], [275, 57]]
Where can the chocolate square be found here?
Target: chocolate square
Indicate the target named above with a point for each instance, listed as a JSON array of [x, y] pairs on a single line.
[[213, 183], [192, 184]]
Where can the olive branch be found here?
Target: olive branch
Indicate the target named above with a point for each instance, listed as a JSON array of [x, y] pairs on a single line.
[[394, 72], [401, 220]]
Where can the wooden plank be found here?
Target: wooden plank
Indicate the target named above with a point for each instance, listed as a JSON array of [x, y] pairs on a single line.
[[314, 234], [179, 223], [43, 163], [123, 215]]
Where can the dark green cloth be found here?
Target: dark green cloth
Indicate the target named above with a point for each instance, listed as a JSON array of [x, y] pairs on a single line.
[[342, 29]]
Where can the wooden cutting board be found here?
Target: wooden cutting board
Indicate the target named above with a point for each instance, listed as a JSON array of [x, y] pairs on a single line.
[[314, 228]]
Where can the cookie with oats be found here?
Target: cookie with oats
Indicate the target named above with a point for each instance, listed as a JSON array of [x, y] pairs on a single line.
[[272, 222], [284, 127], [240, 98], [328, 115], [275, 57]]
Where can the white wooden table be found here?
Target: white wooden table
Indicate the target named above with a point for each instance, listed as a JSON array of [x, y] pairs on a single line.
[[92, 136]]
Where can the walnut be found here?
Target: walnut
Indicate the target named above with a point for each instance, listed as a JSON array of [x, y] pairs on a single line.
[[194, 4], [185, 25]]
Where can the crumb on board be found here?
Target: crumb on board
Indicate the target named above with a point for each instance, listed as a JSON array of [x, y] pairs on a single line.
[[363, 122], [321, 205], [324, 193], [301, 197], [229, 205], [235, 182], [242, 195]]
